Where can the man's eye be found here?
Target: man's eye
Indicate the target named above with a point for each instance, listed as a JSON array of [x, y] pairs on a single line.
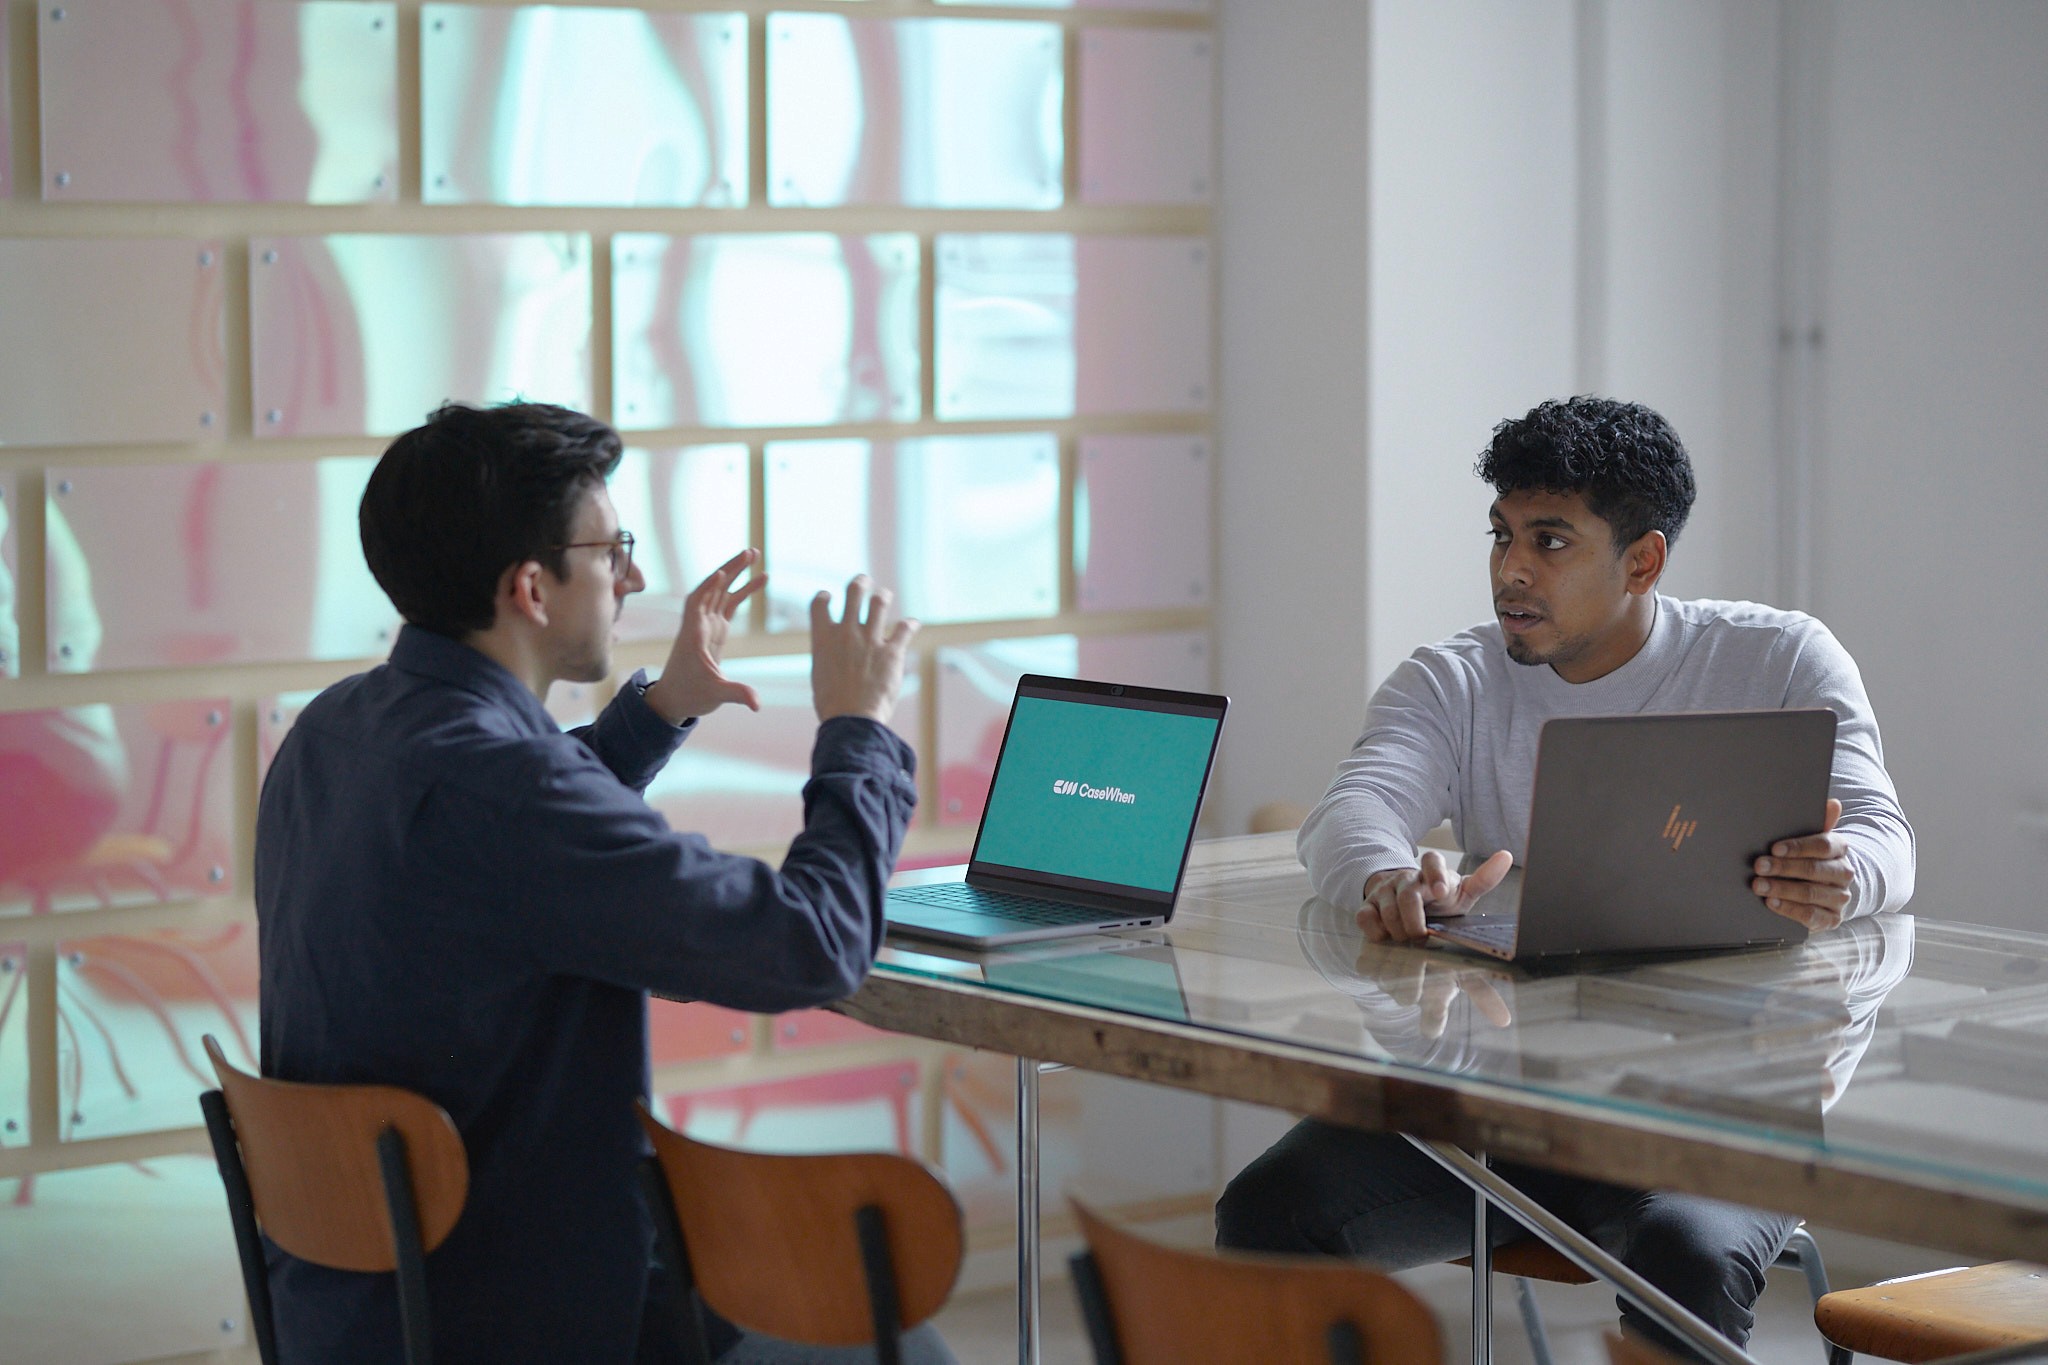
[[1496, 535], [1550, 542]]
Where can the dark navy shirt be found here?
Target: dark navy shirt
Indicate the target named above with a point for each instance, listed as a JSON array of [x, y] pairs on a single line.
[[458, 898]]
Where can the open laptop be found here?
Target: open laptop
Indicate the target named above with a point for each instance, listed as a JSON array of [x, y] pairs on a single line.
[[1089, 818], [1643, 832]]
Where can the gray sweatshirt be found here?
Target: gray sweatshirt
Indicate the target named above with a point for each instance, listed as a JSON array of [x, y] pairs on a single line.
[[1451, 735]]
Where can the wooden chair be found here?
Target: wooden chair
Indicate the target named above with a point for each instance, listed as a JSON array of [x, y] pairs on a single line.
[[1147, 1304], [1531, 1258], [831, 1250], [1942, 1313], [355, 1177], [1623, 1350]]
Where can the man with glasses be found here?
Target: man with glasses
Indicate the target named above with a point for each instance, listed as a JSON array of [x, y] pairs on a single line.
[[458, 898]]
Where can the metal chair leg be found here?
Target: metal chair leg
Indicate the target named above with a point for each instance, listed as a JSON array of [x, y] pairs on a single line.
[[1532, 1321]]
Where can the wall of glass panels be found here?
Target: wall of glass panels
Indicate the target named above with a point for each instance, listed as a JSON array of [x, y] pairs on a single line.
[[888, 286]]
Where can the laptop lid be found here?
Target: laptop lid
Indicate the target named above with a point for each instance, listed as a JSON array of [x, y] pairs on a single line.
[[1096, 791], [1643, 831]]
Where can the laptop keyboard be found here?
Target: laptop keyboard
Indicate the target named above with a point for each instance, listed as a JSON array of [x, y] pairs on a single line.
[[960, 896], [1494, 934]]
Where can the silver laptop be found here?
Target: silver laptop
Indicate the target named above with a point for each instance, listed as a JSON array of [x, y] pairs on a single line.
[[1089, 819], [1644, 830]]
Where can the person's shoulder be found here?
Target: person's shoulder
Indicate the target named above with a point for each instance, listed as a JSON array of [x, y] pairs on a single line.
[[1754, 628]]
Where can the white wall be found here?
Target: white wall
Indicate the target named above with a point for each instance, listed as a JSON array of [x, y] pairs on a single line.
[[1931, 474], [1291, 601]]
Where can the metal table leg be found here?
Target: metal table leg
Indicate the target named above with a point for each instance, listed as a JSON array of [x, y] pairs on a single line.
[[1027, 1211], [1665, 1310], [1482, 1278]]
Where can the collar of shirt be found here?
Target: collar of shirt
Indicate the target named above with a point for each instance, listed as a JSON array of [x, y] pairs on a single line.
[[426, 654]]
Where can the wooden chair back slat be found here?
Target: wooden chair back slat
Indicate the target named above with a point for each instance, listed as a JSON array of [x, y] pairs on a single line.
[[1170, 1306], [773, 1242], [1949, 1312], [310, 1152]]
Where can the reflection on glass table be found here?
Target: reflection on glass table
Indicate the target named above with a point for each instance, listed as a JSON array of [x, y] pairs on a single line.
[[113, 805], [559, 105], [929, 113], [765, 329], [962, 528]]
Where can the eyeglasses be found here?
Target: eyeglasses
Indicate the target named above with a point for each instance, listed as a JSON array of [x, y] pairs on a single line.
[[620, 550]]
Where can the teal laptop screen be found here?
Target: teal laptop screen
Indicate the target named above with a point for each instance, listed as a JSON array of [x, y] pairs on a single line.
[[1099, 791]]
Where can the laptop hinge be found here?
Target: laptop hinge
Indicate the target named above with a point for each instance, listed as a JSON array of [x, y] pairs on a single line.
[[1067, 895]]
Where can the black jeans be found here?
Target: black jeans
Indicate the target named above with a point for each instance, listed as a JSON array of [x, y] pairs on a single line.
[[1326, 1190]]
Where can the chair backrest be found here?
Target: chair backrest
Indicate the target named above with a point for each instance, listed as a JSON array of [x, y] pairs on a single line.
[[1623, 1350], [773, 1239], [310, 1154], [1168, 1305]]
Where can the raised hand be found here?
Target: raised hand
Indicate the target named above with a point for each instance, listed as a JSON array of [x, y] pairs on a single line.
[[857, 661], [693, 683]]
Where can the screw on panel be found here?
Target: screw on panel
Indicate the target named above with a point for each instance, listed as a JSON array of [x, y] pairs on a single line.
[[376, 26], [205, 419], [64, 651], [440, 25], [13, 1127], [274, 416], [377, 183], [205, 258], [56, 16], [270, 258], [63, 179], [77, 1119], [213, 718], [75, 959], [276, 717], [63, 487], [228, 1324], [216, 875]]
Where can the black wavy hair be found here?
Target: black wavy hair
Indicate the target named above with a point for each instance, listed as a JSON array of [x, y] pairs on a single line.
[[1624, 457], [454, 503]]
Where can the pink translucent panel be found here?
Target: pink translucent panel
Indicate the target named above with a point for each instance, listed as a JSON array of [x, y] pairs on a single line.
[[690, 1031], [690, 509], [1175, 659], [865, 1109], [114, 805], [962, 528], [739, 780], [975, 685], [13, 1044], [151, 1236], [111, 341], [131, 1012], [933, 113], [545, 105], [219, 101], [1141, 523], [1004, 315], [816, 1028], [10, 575], [201, 564], [1143, 324], [1147, 118], [764, 329], [365, 334]]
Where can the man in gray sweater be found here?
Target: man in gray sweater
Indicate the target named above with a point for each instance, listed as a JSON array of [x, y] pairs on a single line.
[[1591, 494]]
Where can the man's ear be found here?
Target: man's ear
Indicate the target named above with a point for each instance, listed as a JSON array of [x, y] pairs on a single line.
[[1645, 561], [522, 593]]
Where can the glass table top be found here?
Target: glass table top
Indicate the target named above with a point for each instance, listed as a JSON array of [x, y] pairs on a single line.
[[1900, 1039]]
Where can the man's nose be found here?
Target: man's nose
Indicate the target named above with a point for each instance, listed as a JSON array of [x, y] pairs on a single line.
[[1514, 568], [631, 582]]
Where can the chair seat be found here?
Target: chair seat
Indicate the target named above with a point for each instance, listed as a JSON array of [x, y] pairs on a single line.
[[1945, 1313], [1531, 1258]]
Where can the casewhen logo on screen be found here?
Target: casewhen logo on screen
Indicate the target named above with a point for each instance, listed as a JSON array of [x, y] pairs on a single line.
[[1067, 787]]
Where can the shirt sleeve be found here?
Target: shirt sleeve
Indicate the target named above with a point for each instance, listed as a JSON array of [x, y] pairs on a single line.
[[1880, 842], [629, 738], [1394, 787], [609, 891]]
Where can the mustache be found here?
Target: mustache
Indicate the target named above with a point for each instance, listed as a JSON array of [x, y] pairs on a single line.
[[1529, 604]]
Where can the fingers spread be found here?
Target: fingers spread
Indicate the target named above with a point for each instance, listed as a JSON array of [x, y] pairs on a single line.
[[752, 586]]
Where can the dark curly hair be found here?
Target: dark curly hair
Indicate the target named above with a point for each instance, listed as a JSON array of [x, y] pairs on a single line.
[[1626, 459], [454, 503]]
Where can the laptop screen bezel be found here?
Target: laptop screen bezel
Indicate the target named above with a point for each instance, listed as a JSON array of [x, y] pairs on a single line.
[[1123, 696]]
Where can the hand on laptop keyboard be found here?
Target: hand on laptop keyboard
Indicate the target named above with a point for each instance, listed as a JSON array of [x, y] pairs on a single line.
[[1399, 901]]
